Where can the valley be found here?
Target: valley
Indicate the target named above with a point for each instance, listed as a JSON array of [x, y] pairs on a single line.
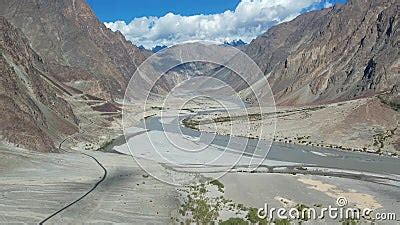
[[97, 129], [136, 189]]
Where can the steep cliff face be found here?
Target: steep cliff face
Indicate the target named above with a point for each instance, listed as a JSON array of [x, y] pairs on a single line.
[[78, 48], [340, 53], [33, 112]]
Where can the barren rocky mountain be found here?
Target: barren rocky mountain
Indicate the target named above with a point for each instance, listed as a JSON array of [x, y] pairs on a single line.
[[339, 53], [56, 60], [52, 49], [336, 54], [79, 49], [33, 112]]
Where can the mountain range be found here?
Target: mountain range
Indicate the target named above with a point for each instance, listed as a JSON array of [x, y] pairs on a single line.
[[335, 54], [51, 50], [235, 43]]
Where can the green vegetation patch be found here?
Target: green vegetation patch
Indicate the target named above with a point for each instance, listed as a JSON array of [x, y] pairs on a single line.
[[379, 139], [234, 221], [218, 184], [189, 123], [201, 211], [252, 216], [350, 222], [304, 210], [105, 144], [282, 222]]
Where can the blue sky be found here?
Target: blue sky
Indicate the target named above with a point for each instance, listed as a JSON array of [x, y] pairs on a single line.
[[169, 22], [127, 10]]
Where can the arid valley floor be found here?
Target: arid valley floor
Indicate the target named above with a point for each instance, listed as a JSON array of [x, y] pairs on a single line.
[[108, 185]]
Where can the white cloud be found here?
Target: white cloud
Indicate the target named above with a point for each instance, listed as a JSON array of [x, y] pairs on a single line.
[[250, 19]]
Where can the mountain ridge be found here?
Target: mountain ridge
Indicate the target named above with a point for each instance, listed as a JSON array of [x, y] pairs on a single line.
[[335, 54], [68, 35]]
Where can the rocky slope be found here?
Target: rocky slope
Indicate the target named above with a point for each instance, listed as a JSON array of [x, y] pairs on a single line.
[[33, 111], [340, 53], [79, 49], [58, 61]]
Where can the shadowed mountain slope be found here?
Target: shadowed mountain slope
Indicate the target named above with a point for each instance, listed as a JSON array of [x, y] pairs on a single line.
[[79, 49], [33, 111]]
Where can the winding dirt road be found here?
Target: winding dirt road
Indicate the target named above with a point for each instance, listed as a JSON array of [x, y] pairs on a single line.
[[82, 130], [84, 195]]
